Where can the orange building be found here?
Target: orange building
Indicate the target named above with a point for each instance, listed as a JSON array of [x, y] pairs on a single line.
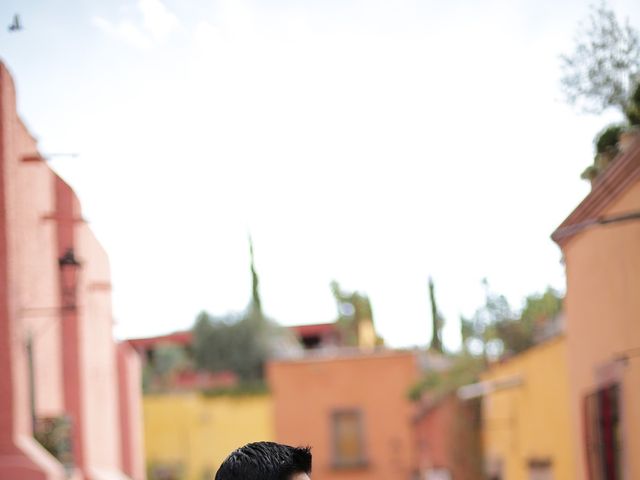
[[353, 409], [600, 242], [63, 378]]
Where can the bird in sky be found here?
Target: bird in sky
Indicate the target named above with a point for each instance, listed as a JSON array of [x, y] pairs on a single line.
[[15, 25]]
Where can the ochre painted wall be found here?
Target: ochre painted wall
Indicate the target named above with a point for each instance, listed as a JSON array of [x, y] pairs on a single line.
[[603, 321], [306, 392], [530, 421], [198, 432]]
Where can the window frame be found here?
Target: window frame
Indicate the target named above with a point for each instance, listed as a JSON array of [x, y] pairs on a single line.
[[341, 463]]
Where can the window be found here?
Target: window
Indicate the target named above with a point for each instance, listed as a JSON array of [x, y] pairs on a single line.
[[348, 439], [602, 430], [540, 469]]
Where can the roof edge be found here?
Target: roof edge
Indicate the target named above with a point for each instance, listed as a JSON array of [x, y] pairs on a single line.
[[612, 183]]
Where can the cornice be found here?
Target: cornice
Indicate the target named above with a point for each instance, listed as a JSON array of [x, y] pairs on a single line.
[[608, 187]]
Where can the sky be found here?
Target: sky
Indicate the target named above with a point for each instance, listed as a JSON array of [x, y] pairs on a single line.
[[376, 143]]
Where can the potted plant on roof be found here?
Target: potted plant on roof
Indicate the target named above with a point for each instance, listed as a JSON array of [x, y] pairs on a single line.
[[632, 112], [607, 148]]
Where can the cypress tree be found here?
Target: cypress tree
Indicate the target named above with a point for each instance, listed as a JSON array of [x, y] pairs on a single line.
[[436, 321]]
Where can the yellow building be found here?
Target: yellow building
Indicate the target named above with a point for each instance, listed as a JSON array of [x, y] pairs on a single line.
[[188, 435], [526, 425]]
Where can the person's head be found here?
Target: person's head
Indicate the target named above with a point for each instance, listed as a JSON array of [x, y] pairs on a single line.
[[266, 461]]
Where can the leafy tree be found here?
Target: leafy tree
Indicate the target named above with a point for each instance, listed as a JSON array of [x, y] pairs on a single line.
[[540, 307], [464, 369], [353, 308], [497, 329], [604, 68], [168, 359], [632, 110], [493, 330], [480, 332], [239, 344], [437, 321]]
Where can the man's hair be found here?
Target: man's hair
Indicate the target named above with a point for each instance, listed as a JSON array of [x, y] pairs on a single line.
[[265, 461]]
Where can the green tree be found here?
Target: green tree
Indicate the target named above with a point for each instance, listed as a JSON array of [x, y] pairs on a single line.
[[353, 308], [238, 344], [437, 321], [463, 370], [168, 359], [497, 329], [604, 67], [480, 332], [255, 306], [632, 110], [541, 309]]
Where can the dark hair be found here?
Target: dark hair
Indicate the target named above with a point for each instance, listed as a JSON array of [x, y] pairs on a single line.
[[265, 461]]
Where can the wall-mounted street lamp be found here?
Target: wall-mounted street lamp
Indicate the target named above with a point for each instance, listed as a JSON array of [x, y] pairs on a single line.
[[68, 273]]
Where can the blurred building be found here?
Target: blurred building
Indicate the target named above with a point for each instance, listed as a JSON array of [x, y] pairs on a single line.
[[315, 336], [447, 435], [354, 410], [600, 241], [186, 378], [64, 380], [318, 336], [526, 426], [188, 435]]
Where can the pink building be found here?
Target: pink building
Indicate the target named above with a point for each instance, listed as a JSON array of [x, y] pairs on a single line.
[[64, 380]]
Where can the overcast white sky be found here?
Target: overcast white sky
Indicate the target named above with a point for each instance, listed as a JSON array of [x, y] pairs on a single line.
[[371, 142]]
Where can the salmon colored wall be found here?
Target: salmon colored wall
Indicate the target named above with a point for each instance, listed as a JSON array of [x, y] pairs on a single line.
[[24, 297], [98, 354], [306, 392], [603, 320], [73, 348], [35, 260], [448, 436], [432, 432], [198, 432], [530, 421]]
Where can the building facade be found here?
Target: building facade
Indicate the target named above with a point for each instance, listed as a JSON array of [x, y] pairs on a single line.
[[188, 435], [600, 242], [447, 434], [353, 409], [64, 380], [526, 426]]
